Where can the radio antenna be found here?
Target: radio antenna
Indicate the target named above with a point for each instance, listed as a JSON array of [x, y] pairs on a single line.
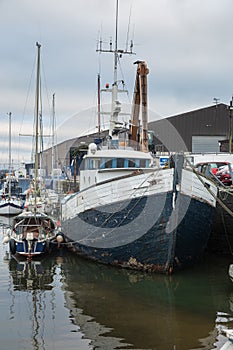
[[127, 37]]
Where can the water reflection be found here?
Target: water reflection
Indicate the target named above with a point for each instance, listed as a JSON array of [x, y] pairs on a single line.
[[90, 306], [31, 274], [5, 223], [132, 310], [34, 278]]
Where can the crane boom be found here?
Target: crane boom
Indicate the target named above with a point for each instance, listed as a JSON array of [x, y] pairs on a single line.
[[140, 99]]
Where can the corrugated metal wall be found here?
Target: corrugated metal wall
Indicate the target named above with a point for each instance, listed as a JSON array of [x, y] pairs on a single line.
[[210, 121], [206, 144]]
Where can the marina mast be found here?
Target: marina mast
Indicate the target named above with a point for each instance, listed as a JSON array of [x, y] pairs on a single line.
[[114, 122]]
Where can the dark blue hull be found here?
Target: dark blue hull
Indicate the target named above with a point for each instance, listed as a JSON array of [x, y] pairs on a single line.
[[33, 234], [149, 233], [22, 247]]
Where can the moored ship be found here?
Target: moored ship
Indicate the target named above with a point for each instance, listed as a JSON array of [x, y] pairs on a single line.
[[129, 212]]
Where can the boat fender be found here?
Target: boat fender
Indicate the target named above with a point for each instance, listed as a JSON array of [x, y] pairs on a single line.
[[60, 237], [12, 245], [6, 239]]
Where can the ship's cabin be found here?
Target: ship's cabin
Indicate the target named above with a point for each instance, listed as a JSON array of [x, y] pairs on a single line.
[[105, 164]]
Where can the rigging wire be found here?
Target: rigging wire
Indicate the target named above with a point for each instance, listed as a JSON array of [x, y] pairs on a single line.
[[28, 91], [26, 103], [127, 36], [154, 174]]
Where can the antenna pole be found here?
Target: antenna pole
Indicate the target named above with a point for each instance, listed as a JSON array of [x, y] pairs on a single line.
[[114, 115], [116, 38], [99, 105], [114, 89], [127, 38]]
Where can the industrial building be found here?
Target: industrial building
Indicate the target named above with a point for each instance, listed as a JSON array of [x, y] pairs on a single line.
[[200, 131]]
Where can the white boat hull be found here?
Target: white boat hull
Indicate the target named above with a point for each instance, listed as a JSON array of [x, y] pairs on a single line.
[[11, 207]]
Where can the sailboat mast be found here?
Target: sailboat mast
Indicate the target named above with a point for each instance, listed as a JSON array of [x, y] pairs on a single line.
[[9, 190], [98, 105], [9, 114], [37, 112], [53, 133]]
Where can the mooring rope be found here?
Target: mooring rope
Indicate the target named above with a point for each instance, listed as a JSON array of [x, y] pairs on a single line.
[[151, 174], [230, 212], [226, 234]]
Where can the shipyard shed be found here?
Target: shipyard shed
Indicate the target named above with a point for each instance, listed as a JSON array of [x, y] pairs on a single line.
[[198, 131], [63, 152]]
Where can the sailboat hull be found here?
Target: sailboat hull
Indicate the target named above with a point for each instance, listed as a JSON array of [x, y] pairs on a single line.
[[10, 207], [33, 234], [28, 249], [12, 197]]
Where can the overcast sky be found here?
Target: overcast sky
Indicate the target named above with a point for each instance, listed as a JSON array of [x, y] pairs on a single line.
[[187, 45]]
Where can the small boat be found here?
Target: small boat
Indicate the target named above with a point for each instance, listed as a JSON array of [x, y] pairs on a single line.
[[12, 198], [37, 195], [129, 212], [34, 232]]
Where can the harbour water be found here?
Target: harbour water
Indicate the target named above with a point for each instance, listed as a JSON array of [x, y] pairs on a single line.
[[64, 302]]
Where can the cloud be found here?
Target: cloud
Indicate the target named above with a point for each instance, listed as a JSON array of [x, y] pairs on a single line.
[[186, 43]]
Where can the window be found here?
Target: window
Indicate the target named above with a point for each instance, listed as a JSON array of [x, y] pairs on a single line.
[[120, 162], [131, 163], [108, 164], [92, 163], [142, 163]]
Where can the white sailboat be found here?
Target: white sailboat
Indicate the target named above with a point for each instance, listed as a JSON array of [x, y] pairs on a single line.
[[11, 202], [37, 195], [34, 232]]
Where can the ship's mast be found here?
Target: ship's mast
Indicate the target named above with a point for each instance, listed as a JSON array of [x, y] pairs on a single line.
[[140, 98], [9, 176], [115, 90], [115, 112], [99, 128], [9, 114], [37, 114], [53, 134]]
